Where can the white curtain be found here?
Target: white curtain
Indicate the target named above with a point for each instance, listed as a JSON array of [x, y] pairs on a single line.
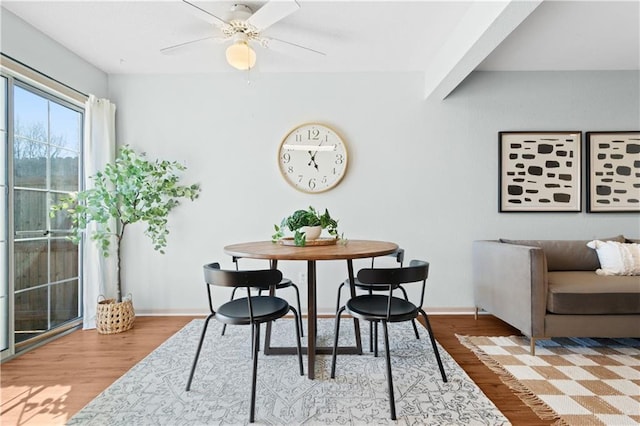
[[99, 273]]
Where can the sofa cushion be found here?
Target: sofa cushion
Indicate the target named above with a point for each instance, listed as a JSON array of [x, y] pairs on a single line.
[[586, 293], [617, 258], [566, 255]]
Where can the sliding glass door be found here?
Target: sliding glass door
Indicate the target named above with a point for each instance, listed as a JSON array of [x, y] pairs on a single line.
[[41, 290], [46, 152]]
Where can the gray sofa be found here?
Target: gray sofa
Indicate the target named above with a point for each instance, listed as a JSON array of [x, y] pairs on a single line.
[[549, 288]]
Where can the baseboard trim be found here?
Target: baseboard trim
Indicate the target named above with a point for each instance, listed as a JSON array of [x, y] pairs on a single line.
[[199, 313]]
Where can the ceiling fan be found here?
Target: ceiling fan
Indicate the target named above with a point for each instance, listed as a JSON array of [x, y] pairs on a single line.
[[242, 28]]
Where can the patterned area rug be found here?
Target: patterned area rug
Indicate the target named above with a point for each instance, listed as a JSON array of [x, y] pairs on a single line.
[[570, 380], [152, 392]]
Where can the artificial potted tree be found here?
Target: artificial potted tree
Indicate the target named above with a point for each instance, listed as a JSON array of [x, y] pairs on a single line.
[[306, 225], [132, 189]]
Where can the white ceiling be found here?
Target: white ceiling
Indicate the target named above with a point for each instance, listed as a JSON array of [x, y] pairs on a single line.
[[573, 35], [126, 36]]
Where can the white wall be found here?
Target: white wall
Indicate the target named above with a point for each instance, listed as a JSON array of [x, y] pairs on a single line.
[[421, 173], [26, 44]]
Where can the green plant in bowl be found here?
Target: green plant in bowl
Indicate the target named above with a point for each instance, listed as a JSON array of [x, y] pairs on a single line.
[[302, 218]]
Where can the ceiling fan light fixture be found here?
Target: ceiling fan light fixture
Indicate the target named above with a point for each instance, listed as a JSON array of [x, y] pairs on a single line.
[[240, 55]]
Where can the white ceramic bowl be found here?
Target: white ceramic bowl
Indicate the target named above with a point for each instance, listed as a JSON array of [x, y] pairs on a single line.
[[311, 232]]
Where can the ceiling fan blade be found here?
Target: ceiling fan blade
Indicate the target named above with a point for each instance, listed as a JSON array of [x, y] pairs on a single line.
[[205, 15], [176, 48], [284, 43], [272, 12]]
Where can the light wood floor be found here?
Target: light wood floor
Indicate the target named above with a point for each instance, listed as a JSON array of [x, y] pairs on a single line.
[[48, 385]]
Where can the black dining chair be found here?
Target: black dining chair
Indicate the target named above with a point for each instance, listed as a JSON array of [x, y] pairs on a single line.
[[251, 310], [398, 255], [386, 308], [284, 283]]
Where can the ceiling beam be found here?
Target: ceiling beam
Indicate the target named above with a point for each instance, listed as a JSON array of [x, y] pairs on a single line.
[[485, 25]]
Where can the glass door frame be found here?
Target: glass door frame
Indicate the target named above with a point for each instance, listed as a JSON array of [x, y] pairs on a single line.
[[40, 89], [7, 259]]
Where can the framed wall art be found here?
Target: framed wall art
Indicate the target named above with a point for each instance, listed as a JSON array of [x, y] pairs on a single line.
[[613, 171], [540, 171]]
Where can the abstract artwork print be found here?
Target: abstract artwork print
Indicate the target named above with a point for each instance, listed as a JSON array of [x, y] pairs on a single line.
[[540, 171], [613, 171]]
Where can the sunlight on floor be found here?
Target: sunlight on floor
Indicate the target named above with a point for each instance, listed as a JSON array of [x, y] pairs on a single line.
[[34, 405]]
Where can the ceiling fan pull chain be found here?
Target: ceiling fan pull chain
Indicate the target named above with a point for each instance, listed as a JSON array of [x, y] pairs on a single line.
[[248, 68]]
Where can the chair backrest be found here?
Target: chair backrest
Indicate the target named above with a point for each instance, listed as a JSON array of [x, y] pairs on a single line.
[[262, 279], [417, 271], [397, 254]]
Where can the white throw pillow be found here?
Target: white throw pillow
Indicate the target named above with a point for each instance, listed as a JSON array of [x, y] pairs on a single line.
[[617, 258]]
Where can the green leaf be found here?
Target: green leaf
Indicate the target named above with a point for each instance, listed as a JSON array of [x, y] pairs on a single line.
[[299, 239]]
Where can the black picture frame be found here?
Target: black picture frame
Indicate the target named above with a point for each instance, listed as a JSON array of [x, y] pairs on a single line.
[[613, 171], [540, 171]]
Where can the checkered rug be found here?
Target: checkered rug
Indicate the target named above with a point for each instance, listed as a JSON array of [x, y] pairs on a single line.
[[573, 381]]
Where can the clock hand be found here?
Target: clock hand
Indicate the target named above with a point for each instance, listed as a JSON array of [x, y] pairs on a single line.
[[313, 160], [313, 157]]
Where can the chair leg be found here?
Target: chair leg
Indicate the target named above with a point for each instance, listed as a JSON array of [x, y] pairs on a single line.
[[375, 338], [371, 336], [195, 359], [298, 333], [433, 343], [373, 347], [233, 295], [256, 344], [413, 323], [295, 287], [335, 343], [392, 401], [253, 341], [339, 293], [415, 329]]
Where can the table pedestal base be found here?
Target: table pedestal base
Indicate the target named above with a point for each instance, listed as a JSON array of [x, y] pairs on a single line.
[[322, 350]]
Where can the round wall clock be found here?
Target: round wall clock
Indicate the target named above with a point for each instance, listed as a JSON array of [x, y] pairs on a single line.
[[313, 158]]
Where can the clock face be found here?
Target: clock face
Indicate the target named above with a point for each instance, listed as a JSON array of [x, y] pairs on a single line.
[[313, 158]]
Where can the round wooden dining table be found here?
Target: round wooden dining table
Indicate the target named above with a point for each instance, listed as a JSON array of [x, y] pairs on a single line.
[[342, 250]]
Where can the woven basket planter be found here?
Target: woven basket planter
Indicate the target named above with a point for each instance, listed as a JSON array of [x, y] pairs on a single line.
[[112, 317]]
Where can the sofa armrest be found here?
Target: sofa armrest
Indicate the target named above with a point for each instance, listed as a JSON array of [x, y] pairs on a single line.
[[510, 282]]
